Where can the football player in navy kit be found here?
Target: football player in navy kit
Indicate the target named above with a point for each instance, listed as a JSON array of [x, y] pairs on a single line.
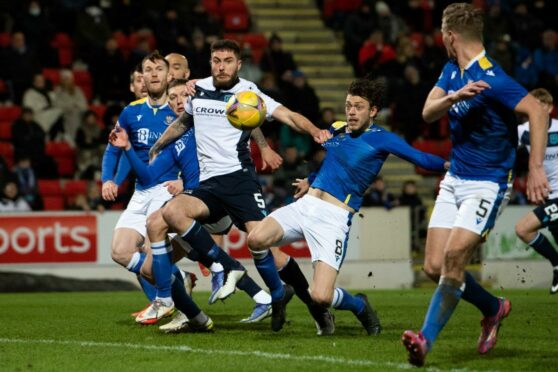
[[228, 183], [545, 215]]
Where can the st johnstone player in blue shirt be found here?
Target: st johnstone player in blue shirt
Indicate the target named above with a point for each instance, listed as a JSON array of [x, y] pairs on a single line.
[[355, 155], [182, 153], [480, 100], [145, 124]]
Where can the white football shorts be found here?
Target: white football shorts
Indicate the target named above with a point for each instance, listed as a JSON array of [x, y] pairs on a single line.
[[469, 204], [142, 204], [324, 226]]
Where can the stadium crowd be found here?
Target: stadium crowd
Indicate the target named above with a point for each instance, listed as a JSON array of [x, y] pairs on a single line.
[[66, 67]]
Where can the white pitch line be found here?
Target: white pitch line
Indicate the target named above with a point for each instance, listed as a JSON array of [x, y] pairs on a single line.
[[184, 348]]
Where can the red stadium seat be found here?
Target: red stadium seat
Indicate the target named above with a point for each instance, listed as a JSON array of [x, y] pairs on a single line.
[[233, 6], [117, 206], [212, 7], [239, 38], [82, 77], [236, 21], [50, 188], [5, 130], [135, 37], [87, 91], [52, 74], [60, 149], [256, 41], [3, 86], [10, 113], [6, 150], [65, 57], [53, 203], [5, 39], [347, 6], [99, 110], [62, 40], [66, 166], [75, 187]]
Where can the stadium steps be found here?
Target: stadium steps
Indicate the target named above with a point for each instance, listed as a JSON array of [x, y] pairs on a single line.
[[396, 171], [315, 48]]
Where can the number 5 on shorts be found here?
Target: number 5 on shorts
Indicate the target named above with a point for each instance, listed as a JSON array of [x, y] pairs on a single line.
[[259, 200]]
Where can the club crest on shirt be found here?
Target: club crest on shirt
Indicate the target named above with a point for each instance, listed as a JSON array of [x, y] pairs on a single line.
[[169, 119]]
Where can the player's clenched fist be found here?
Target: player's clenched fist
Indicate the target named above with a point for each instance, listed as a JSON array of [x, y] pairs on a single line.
[[321, 136]]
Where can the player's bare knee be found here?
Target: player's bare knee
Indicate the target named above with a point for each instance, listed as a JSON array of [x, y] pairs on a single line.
[[322, 298], [121, 253], [255, 240], [432, 270], [522, 232], [156, 223]]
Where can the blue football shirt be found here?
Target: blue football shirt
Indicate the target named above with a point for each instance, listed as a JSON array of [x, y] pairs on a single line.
[[483, 128]]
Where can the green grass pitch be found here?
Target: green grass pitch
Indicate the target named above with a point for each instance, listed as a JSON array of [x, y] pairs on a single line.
[[94, 332]]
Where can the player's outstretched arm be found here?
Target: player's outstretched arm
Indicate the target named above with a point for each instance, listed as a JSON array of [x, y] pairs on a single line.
[[438, 102], [537, 183], [403, 150], [175, 130], [146, 173], [270, 158], [301, 124]]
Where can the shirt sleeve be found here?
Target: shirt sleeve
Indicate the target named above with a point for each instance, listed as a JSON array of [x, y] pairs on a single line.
[[188, 107], [444, 78], [147, 174], [110, 160], [111, 157], [504, 89], [186, 157], [122, 170], [395, 145]]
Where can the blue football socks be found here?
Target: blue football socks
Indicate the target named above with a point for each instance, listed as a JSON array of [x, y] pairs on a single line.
[[266, 267], [135, 266], [343, 300], [162, 267], [442, 305]]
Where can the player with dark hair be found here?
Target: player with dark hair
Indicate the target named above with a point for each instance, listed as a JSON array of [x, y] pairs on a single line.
[[354, 157], [228, 183], [545, 215], [480, 100]]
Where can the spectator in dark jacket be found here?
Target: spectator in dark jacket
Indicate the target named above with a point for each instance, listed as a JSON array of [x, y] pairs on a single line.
[[377, 195], [276, 60]]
